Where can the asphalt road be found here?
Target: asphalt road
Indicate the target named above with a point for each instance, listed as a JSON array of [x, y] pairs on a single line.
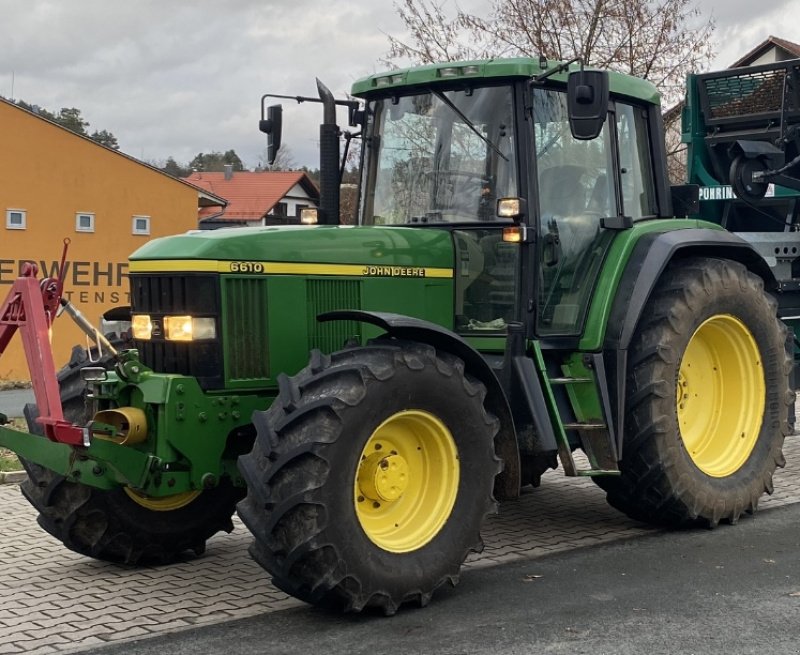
[[733, 590]]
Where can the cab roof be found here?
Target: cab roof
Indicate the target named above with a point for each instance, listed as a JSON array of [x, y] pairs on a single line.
[[447, 73]]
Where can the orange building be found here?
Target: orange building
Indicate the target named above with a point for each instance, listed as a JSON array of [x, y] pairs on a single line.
[[56, 185]]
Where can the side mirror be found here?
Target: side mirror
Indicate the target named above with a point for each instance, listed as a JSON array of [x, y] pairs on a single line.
[[271, 126], [587, 98]]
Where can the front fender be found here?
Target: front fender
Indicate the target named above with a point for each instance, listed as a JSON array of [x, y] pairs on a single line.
[[400, 326]]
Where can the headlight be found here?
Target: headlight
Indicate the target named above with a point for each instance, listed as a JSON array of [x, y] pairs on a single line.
[[309, 215], [141, 326], [188, 328], [511, 208]]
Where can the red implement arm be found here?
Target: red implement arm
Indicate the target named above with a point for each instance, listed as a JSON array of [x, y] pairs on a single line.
[[30, 307]]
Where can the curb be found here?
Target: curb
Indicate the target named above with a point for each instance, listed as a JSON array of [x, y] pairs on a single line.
[[13, 477]]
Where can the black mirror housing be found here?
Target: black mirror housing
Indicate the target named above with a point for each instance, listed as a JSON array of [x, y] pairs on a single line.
[[587, 98], [272, 126]]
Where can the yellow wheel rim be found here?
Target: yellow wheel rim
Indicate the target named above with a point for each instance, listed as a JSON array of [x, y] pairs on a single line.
[[721, 395], [165, 504], [407, 481]]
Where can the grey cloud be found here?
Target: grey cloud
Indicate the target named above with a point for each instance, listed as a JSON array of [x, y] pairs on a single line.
[[176, 77]]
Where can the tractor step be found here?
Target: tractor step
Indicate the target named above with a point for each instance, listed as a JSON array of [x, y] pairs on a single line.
[[574, 384], [585, 426]]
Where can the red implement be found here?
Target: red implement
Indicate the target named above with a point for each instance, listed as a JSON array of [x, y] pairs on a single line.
[[30, 307]]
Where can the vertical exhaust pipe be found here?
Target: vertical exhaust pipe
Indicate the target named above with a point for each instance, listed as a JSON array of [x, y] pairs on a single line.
[[328, 159]]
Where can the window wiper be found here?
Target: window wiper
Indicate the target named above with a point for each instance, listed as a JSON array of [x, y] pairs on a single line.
[[467, 121]]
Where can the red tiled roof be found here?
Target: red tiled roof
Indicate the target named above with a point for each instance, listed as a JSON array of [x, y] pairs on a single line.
[[250, 195]]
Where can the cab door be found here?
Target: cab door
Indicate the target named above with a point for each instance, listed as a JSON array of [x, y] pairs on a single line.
[[575, 180]]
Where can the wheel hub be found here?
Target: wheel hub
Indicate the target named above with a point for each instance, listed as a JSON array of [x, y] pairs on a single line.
[[407, 481], [383, 478]]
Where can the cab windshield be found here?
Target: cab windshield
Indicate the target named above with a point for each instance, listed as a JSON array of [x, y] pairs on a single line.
[[439, 157]]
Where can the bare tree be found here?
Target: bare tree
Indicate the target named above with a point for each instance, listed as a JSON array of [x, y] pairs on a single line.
[[658, 40], [284, 160]]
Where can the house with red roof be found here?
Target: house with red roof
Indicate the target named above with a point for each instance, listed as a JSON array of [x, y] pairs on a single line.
[[255, 198]]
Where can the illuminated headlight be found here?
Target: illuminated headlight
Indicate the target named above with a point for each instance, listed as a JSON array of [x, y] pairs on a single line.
[[510, 208], [309, 215], [141, 326], [188, 328]]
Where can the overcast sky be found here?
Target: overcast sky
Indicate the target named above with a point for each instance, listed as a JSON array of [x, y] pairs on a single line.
[[177, 77]]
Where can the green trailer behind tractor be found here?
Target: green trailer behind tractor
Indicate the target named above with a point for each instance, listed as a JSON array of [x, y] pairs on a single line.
[[522, 283]]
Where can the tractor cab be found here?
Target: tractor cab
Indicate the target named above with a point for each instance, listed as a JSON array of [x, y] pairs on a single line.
[[531, 188], [447, 159]]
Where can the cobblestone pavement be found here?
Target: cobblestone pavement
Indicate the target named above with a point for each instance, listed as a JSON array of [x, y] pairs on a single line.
[[53, 600]]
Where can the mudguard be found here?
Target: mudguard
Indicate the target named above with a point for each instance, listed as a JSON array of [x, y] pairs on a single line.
[[400, 326], [648, 260]]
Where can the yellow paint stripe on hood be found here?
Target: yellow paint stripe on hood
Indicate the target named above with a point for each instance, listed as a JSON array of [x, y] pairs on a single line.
[[283, 268]]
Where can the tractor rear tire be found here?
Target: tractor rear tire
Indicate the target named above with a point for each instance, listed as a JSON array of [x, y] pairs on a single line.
[[120, 525], [708, 399], [371, 476]]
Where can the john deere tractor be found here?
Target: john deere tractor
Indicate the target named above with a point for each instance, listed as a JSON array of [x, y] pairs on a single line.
[[522, 283]]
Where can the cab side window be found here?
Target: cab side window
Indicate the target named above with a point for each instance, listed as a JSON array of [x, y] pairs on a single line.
[[636, 170]]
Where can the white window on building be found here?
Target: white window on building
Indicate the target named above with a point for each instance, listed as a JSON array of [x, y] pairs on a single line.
[[141, 225], [16, 219], [84, 222]]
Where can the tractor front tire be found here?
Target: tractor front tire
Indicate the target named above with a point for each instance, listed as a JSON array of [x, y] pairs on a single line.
[[708, 398], [120, 525], [371, 476]]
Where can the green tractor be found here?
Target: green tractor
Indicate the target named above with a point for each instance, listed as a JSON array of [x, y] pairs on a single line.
[[517, 288]]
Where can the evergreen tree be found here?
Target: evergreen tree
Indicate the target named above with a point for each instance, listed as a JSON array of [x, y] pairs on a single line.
[[216, 161], [104, 137]]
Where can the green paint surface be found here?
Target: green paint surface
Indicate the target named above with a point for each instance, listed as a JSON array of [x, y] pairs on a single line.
[[489, 70], [614, 267], [370, 246]]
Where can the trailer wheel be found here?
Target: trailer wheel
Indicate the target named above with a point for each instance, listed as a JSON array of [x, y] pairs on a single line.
[[371, 475], [707, 398], [120, 525]]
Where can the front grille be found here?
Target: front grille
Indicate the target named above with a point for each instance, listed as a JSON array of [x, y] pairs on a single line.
[[246, 330], [175, 294], [192, 294], [329, 295]]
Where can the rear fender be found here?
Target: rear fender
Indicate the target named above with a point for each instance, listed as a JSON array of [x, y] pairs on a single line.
[[650, 257]]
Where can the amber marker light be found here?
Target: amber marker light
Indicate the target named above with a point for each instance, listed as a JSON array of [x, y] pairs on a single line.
[[514, 234]]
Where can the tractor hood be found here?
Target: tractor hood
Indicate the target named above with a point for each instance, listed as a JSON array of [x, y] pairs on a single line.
[[256, 249]]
